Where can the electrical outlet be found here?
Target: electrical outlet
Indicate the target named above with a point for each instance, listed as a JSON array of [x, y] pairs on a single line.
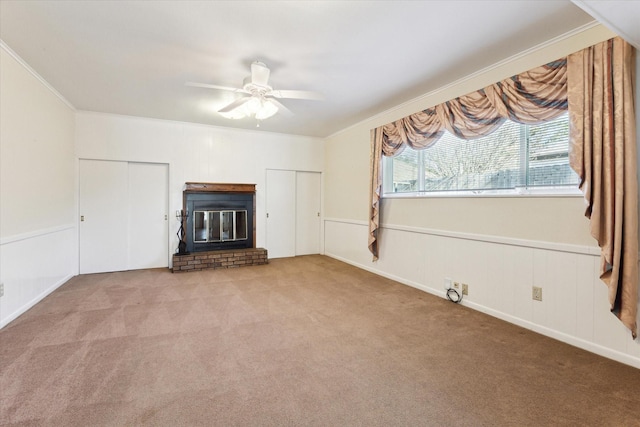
[[465, 289], [1, 289], [457, 286], [537, 293]]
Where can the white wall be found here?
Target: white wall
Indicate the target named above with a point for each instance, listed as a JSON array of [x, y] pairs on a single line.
[[500, 247], [38, 248], [197, 153]]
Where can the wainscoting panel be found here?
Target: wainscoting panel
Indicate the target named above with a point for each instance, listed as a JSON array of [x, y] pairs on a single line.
[[500, 273], [34, 265], [587, 280], [411, 265], [514, 282], [347, 240], [607, 329]]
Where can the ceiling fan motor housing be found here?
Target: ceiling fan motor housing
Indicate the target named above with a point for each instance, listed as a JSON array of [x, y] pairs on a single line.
[[254, 88]]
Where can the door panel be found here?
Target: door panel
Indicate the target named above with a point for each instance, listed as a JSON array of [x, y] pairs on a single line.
[[308, 190], [103, 216], [281, 220], [148, 216]]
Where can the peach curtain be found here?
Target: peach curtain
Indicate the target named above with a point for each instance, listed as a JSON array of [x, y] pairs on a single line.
[[603, 154], [376, 188]]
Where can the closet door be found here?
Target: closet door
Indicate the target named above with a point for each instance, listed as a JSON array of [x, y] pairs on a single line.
[[308, 190], [103, 201], [148, 234], [281, 213], [123, 216]]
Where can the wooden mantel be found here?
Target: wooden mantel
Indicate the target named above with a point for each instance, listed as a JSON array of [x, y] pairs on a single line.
[[213, 187]]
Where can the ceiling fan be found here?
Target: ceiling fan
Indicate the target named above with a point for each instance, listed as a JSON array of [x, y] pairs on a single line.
[[258, 99]]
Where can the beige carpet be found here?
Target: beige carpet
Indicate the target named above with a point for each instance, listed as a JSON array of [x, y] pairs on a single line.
[[301, 341]]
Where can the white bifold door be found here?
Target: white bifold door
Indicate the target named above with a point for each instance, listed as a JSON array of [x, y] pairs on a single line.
[[293, 213], [123, 216]]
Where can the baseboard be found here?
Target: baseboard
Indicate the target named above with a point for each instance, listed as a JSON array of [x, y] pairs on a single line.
[[551, 333], [4, 322], [560, 336], [411, 283]]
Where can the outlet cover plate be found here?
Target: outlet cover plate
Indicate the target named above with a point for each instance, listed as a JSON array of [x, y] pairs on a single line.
[[536, 293]]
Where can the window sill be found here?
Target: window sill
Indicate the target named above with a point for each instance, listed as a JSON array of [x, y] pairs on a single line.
[[520, 193]]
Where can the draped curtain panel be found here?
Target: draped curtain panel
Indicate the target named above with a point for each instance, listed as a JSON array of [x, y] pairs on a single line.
[[374, 191], [603, 154], [596, 86]]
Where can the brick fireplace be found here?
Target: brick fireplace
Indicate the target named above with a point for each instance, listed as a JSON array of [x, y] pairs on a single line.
[[219, 226]]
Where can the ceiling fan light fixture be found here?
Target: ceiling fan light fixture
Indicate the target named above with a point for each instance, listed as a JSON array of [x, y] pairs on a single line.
[[235, 114], [259, 108], [267, 109], [252, 106]]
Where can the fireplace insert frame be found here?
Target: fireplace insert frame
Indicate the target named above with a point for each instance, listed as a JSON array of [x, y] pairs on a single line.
[[201, 196]]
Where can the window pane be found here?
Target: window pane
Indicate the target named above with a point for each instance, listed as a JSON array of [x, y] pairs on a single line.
[[549, 154], [405, 171], [214, 226], [241, 225], [490, 162], [199, 226], [227, 225]]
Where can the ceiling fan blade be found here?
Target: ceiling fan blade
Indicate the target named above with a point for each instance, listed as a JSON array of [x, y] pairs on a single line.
[[297, 94], [259, 74], [281, 107], [235, 104], [208, 86]]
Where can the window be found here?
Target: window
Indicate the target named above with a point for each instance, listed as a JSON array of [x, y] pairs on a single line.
[[513, 159]]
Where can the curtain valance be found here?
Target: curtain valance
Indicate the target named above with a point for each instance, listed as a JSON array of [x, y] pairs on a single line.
[[596, 86], [532, 97]]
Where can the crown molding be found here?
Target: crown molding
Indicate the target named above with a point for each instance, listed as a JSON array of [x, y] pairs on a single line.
[[33, 72]]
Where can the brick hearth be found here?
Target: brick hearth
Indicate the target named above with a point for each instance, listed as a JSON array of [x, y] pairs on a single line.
[[231, 258]]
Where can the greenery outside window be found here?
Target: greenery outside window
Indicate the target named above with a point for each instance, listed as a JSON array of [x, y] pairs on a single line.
[[515, 159]]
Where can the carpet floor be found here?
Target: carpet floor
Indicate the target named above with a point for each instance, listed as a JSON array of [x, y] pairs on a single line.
[[305, 341]]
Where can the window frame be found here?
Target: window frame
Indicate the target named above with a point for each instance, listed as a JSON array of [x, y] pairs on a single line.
[[517, 192]]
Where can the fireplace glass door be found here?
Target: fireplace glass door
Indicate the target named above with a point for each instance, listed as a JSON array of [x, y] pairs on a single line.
[[219, 226]]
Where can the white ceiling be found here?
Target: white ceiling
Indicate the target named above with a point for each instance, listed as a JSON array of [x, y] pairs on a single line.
[[133, 57]]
